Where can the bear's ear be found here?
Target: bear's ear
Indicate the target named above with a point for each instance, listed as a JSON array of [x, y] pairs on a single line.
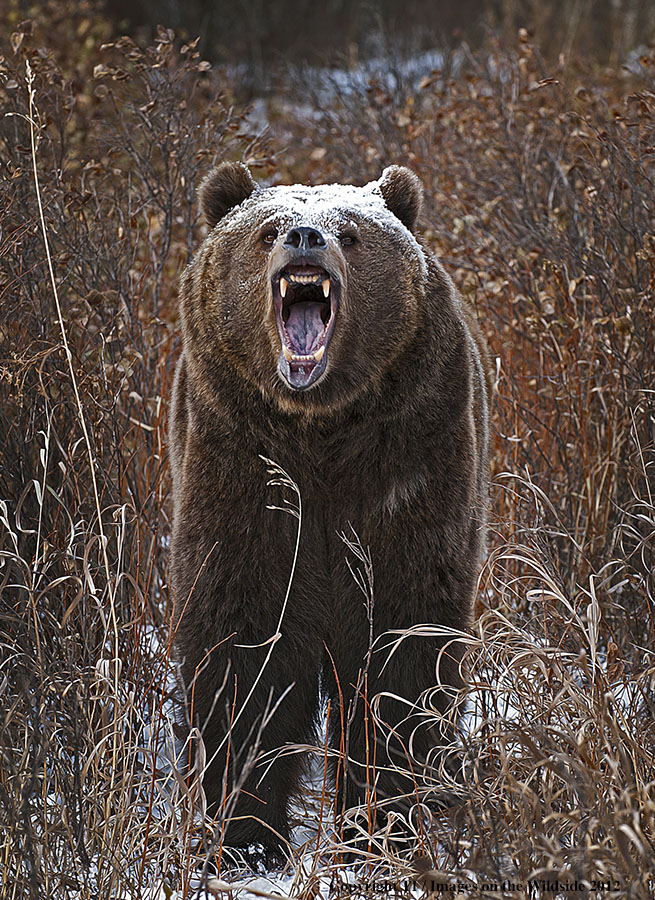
[[227, 185], [403, 194]]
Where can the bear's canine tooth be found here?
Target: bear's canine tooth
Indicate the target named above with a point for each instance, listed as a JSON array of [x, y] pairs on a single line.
[[288, 355], [284, 284], [326, 288], [318, 356]]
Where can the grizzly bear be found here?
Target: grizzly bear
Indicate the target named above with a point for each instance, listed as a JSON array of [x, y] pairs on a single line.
[[320, 333]]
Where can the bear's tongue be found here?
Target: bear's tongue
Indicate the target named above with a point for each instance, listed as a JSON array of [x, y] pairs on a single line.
[[304, 326]]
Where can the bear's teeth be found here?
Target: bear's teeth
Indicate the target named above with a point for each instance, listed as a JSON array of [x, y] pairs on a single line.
[[326, 288], [304, 279], [299, 357], [284, 284]]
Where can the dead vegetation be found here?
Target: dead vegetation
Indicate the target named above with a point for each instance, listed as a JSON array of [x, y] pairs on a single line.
[[541, 203]]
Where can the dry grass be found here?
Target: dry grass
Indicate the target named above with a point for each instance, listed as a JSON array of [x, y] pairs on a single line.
[[541, 203]]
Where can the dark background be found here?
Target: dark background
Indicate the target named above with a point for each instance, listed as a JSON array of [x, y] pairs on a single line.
[[264, 32]]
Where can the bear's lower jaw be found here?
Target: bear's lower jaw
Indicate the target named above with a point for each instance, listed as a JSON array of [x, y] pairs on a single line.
[[301, 372]]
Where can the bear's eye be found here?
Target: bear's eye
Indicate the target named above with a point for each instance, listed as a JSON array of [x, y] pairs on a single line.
[[269, 236], [347, 240]]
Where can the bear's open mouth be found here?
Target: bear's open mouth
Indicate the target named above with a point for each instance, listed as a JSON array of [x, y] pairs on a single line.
[[305, 298]]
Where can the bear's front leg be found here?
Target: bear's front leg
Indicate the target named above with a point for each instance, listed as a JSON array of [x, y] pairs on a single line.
[[247, 709], [395, 737], [250, 662], [404, 686]]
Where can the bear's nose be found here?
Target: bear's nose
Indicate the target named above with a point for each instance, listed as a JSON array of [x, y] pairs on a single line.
[[304, 238]]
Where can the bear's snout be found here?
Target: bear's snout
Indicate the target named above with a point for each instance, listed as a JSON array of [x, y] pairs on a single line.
[[305, 239]]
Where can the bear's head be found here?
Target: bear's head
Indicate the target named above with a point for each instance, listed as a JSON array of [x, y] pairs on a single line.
[[308, 293]]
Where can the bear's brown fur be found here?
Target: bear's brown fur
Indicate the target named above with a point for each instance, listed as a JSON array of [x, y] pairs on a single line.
[[366, 383]]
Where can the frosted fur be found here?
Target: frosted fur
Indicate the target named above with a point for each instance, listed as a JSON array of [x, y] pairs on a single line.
[[327, 207]]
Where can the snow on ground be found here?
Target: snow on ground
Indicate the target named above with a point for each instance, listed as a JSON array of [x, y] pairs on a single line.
[[313, 812]]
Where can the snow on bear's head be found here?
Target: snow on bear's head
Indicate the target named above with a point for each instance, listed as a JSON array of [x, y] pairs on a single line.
[[309, 293]]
